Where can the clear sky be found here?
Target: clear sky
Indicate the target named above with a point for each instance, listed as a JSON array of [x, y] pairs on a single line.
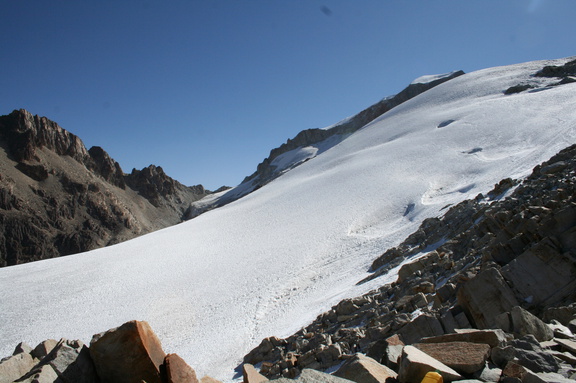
[[206, 88]]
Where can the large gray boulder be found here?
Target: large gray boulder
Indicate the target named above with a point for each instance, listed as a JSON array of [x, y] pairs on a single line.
[[524, 323], [485, 297]]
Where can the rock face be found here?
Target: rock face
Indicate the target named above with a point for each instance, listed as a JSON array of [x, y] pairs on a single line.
[[58, 198]]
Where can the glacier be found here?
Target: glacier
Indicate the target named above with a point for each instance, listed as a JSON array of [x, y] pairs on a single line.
[[270, 262]]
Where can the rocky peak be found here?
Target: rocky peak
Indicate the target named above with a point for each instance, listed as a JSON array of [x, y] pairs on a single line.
[[25, 133], [105, 166]]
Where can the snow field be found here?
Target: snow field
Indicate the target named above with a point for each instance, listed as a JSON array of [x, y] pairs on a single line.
[[269, 263]]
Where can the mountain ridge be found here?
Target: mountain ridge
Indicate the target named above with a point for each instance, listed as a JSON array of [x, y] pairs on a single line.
[[59, 198]]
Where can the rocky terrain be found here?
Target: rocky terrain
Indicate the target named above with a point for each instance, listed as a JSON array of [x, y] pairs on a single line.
[[504, 261], [59, 198]]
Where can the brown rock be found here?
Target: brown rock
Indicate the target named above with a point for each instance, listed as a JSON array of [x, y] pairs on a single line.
[[362, 369], [524, 323], [493, 338], [129, 353], [178, 371], [464, 357], [414, 365], [251, 375]]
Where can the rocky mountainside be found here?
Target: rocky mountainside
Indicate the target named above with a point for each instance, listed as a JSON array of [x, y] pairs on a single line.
[[312, 142], [58, 198], [503, 261]]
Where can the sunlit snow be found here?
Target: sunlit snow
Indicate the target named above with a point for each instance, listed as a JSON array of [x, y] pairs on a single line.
[[431, 77], [267, 264]]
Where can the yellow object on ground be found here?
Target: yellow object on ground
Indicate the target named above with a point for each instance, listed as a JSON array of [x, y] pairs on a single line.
[[432, 377]]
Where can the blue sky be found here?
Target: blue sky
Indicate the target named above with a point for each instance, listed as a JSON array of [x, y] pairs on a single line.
[[206, 88]]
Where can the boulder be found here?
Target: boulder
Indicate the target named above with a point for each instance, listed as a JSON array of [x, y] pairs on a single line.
[[422, 326], [363, 369], [542, 273], [486, 296], [492, 338], [251, 375], [524, 323], [129, 353], [414, 364], [463, 357], [44, 348], [528, 353], [71, 361], [42, 374], [393, 352], [178, 371], [489, 373], [15, 366], [567, 345], [22, 347]]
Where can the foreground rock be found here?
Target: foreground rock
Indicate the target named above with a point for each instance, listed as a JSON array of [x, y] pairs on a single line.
[[129, 353], [119, 352], [415, 364], [362, 369]]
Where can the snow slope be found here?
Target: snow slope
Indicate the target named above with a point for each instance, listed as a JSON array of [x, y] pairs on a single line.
[[268, 263]]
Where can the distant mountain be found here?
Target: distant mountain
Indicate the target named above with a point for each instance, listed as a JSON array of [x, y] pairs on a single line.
[[312, 142], [58, 198]]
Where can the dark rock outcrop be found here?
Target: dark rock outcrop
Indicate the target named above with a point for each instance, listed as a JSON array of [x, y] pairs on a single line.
[[57, 198]]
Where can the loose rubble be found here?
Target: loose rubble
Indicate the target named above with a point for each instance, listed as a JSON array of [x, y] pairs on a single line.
[[498, 271]]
